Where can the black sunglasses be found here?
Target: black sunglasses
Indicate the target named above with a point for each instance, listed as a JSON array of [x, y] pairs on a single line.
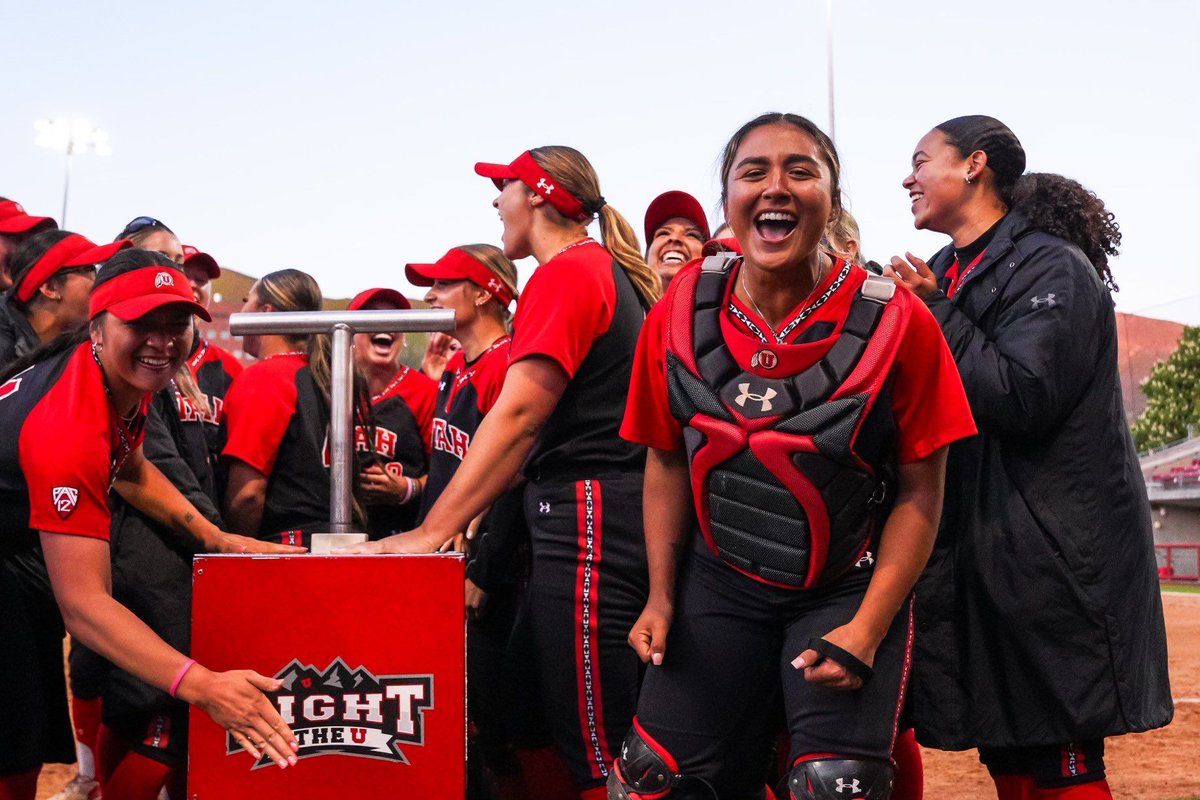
[[141, 223]]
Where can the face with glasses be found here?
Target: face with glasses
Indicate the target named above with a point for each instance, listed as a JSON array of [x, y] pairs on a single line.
[[147, 233]]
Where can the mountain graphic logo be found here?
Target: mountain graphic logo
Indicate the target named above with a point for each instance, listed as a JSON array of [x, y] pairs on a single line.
[[350, 712]]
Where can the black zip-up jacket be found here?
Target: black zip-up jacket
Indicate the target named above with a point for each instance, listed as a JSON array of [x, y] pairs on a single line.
[[1039, 615], [152, 564], [17, 336]]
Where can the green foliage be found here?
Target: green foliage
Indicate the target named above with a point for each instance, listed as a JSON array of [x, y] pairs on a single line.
[[1172, 396]]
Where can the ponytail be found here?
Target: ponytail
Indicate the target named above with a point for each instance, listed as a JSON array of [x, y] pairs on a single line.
[[1066, 209], [617, 236], [571, 168]]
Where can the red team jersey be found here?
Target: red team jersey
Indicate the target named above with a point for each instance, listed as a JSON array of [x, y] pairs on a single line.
[[403, 414], [465, 395], [581, 311], [214, 370], [61, 445], [928, 402]]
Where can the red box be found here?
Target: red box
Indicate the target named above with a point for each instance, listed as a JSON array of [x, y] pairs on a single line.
[[373, 653]]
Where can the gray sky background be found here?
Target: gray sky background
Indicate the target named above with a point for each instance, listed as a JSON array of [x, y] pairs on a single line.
[[339, 138]]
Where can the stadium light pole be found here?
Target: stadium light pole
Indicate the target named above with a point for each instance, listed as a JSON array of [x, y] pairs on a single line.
[[829, 59], [70, 137]]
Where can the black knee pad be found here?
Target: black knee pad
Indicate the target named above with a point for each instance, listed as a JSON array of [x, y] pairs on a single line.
[[841, 779], [644, 770]]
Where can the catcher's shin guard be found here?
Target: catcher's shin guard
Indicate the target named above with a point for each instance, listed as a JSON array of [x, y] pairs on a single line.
[[644, 770], [831, 778]]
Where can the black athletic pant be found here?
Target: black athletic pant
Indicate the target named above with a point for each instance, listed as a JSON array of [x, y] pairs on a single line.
[[587, 587], [1052, 765], [729, 651], [35, 726]]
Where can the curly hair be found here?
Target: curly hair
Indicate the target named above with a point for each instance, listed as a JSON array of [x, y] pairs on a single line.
[[1065, 208]]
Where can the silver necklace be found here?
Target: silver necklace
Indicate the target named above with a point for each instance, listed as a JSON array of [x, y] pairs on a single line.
[[757, 310]]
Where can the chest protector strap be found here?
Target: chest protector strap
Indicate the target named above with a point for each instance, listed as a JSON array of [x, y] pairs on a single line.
[[790, 474]]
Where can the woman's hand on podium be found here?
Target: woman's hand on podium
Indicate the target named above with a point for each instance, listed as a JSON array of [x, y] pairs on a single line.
[[236, 702], [235, 543], [418, 540]]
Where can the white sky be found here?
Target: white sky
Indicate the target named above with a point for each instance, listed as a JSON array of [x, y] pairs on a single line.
[[339, 138]]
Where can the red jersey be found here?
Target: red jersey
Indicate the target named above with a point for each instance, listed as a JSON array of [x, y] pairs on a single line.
[[580, 310], [928, 402], [403, 414], [466, 394], [61, 446]]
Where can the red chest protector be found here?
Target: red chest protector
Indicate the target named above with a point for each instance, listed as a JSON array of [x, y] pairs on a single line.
[[791, 475]]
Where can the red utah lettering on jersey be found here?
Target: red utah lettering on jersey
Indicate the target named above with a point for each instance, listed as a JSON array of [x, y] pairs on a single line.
[[10, 388], [450, 439], [385, 443]]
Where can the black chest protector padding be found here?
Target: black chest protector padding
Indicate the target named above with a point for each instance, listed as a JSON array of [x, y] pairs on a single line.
[[755, 522]]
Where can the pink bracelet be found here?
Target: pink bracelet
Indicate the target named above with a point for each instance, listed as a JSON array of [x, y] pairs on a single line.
[[179, 675], [408, 492]]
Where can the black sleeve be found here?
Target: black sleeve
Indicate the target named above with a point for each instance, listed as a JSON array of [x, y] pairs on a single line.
[[496, 553], [1026, 372], [162, 448]]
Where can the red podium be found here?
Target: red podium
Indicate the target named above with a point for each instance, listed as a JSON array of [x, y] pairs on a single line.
[[373, 659]]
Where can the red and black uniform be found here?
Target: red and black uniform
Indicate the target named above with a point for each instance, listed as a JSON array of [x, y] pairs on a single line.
[[404, 413], [793, 439], [583, 504], [276, 421], [466, 393], [61, 445], [215, 370]]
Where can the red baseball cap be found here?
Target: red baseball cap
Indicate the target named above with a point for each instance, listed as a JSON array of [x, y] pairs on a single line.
[[674, 204], [13, 218], [457, 265], [73, 251], [390, 295], [526, 170], [138, 292], [193, 256]]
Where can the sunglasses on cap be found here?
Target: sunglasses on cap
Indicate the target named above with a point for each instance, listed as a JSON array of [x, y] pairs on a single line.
[[141, 223]]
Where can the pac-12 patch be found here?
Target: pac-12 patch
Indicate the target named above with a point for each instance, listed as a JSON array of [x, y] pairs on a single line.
[[65, 499]]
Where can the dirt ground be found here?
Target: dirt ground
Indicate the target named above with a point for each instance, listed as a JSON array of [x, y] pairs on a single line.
[[1150, 766]]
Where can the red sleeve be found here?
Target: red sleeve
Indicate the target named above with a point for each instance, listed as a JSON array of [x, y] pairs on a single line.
[[489, 380], [258, 409], [566, 305], [648, 418], [928, 399], [420, 393], [67, 474]]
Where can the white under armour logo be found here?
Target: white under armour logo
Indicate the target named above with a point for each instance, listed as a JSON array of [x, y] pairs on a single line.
[[544, 508], [867, 560], [163, 279], [851, 787], [493, 286], [1048, 301], [764, 398], [546, 188]]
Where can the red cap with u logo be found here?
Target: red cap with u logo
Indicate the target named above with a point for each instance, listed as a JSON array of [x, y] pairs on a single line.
[[140, 291], [526, 170]]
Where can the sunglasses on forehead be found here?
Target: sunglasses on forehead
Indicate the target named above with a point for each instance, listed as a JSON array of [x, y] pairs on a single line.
[[141, 223]]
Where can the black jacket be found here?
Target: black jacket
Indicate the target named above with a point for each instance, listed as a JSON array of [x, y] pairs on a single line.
[[1039, 615], [152, 564], [17, 336]]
